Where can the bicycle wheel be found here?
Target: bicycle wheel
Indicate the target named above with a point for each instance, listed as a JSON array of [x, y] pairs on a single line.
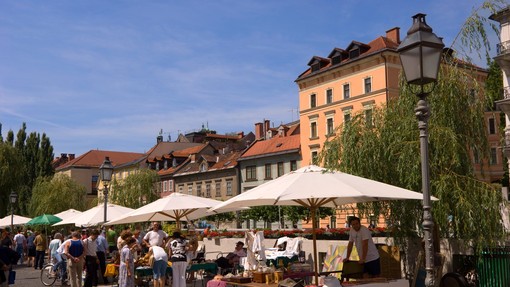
[[46, 278]]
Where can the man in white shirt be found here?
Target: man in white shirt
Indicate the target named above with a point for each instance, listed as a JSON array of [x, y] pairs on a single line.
[[367, 251], [91, 261], [21, 244], [155, 237]]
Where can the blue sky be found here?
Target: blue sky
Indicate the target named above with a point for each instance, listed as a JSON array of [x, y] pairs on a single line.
[[110, 74]]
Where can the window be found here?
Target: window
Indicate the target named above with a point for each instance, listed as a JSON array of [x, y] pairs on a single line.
[[229, 187], [164, 186], [329, 96], [181, 188], [293, 165], [494, 156], [313, 101], [267, 168], [280, 169], [251, 172], [218, 189], [368, 85], [329, 126], [347, 117], [492, 126], [476, 156], [369, 117], [171, 185], [313, 130], [203, 167], [190, 189], [199, 189], [347, 92], [315, 154], [208, 190]]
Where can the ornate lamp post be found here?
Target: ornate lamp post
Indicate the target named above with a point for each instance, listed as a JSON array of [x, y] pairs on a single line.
[[13, 197], [420, 54], [105, 172]]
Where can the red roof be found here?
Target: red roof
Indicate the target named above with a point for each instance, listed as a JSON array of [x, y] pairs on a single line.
[[273, 145], [94, 158]]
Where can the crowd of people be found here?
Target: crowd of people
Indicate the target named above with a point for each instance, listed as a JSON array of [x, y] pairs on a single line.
[[88, 249]]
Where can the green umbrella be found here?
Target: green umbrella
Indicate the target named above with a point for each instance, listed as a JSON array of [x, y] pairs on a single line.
[[45, 219]]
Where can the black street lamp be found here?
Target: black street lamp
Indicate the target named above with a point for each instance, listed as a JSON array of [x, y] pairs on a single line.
[[105, 172], [13, 197], [420, 55]]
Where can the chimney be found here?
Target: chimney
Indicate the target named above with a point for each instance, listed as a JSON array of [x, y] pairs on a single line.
[[266, 127], [63, 155], [159, 139], [71, 156], [258, 130], [240, 135], [394, 34]]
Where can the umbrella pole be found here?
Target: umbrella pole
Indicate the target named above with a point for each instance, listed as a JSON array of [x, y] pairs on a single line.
[[314, 237]]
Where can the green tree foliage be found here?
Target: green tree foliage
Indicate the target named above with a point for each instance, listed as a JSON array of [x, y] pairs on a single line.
[[55, 194], [10, 178], [297, 213], [221, 218], [35, 157], [135, 189]]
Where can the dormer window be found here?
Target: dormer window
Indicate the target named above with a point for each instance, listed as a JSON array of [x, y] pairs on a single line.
[[157, 165], [174, 162], [356, 49], [203, 167], [316, 66], [354, 53], [337, 56], [165, 165]]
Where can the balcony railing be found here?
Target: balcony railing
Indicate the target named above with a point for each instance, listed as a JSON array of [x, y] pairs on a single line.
[[503, 48]]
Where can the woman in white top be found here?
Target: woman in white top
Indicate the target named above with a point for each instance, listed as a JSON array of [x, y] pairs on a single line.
[[160, 259]]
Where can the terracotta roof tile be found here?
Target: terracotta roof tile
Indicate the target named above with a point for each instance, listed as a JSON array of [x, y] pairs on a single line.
[[94, 158], [273, 145]]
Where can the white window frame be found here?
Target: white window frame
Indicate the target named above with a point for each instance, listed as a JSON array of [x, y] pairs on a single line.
[[348, 85], [326, 96], [229, 187], [314, 129], [313, 103], [365, 85], [171, 185], [165, 184]]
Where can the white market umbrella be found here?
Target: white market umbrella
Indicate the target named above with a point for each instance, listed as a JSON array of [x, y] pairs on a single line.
[[17, 220], [95, 215], [314, 187], [173, 207], [67, 214]]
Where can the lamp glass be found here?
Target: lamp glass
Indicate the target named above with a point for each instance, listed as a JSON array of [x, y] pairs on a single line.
[[420, 53], [106, 170], [13, 197]]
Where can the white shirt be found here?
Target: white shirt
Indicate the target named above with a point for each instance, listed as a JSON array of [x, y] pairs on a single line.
[[155, 238], [20, 239], [159, 253], [62, 248], [357, 238], [90, 246]]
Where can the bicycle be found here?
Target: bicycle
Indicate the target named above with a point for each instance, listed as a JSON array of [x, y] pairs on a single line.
[[48, 278]]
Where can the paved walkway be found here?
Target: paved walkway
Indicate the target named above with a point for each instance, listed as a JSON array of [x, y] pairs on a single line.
[[30, 277]]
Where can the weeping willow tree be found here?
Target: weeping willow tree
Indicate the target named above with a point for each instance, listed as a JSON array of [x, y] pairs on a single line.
[[135, 190], [54, 194], [388, 150]]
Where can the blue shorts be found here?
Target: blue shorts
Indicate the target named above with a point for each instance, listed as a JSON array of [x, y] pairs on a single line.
[[159, 269], [373, 267]]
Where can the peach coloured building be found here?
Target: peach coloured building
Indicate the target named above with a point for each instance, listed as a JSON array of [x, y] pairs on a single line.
[[346, 82]]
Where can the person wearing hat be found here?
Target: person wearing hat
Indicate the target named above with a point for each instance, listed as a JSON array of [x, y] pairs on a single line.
[[233, 257], [177, 249]]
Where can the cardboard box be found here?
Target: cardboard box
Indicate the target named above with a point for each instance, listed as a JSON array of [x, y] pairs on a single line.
[[260, 277]]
